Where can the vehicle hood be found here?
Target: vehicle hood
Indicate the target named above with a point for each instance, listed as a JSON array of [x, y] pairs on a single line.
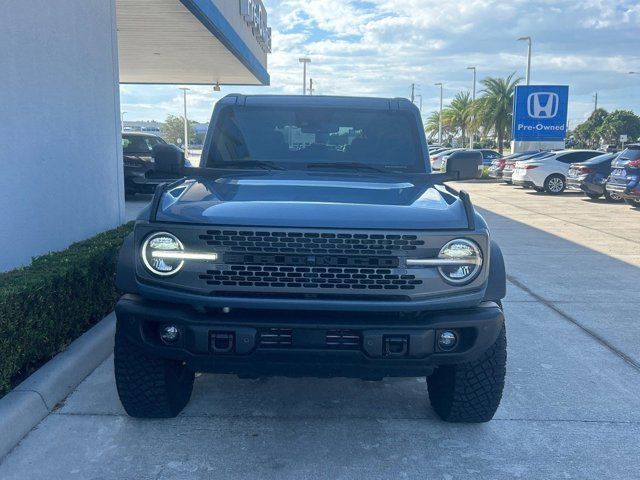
[[300, 199]]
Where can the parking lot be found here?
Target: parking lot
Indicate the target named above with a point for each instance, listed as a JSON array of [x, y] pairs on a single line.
[[571, 407]]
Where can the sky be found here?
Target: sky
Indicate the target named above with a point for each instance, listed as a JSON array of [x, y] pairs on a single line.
[[381, 47]]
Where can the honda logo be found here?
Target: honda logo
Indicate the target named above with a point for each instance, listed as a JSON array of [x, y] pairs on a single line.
[[543, 104]]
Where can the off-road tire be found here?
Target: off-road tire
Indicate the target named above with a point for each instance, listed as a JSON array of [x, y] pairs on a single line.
[[614, 198], [148, 386], [632, 203], [470, 392], [555, 184]]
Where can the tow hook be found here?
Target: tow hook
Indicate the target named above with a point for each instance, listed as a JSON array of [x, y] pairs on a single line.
[[396, 346]]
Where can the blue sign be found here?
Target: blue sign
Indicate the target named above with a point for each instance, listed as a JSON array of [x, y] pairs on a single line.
[[540, 112]]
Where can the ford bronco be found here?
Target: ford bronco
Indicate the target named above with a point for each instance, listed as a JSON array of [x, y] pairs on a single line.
[[312, 240]]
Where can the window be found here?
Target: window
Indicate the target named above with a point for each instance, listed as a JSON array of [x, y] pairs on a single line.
[[294, 137], [577, 157], [140, 143], [630, 153]]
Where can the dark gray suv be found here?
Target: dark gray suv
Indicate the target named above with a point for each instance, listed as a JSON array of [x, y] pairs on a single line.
[[313, 239]]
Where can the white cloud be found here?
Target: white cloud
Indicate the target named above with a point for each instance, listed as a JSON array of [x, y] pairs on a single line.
[[380, 47]]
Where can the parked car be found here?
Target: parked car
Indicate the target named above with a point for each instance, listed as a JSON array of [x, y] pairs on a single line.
[[549, 173], [312, 261], [509, 165], [497, 165], [608, 148], [591, 176], [140, 172], [435, 150], [436, 160], [488, 156], [620, 178]]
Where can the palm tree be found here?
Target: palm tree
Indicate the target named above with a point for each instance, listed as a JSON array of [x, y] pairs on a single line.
[[494, 109], [458, 113], [432, 124]]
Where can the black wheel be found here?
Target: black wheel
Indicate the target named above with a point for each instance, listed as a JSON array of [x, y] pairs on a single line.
[[554, 184], [612, 197], [632, 203], [149, 387], [593, 196], [470, 392]]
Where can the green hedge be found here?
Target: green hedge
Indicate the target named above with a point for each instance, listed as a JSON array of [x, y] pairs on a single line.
[[46, 305]]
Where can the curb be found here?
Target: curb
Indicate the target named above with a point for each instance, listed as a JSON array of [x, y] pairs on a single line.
[[30, 402]]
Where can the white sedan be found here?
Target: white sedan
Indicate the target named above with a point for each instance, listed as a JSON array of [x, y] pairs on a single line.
[[549, 173]]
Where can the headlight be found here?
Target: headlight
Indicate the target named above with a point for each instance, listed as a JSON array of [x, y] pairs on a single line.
[[465, 260], [161, 254]]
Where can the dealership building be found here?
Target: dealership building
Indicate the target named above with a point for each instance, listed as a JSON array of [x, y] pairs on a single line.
[[61, 64]]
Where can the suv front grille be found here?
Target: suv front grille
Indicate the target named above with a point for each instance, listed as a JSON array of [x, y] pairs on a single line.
[[265, 276], [300, 262], [318, 243]]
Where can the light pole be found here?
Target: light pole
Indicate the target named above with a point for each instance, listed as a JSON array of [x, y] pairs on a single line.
[[440, 115], [473, 98], [304, 61], [528, 39], [186, 125], [122, 114], [420, 107]]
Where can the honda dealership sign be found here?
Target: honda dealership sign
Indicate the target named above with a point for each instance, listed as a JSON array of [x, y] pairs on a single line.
[[540, 112]]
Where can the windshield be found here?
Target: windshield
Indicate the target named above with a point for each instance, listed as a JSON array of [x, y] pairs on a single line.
[[630, 153], [297, 138], [140, 143]]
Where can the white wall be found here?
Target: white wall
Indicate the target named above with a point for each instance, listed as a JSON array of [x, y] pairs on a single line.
[[60, 154]]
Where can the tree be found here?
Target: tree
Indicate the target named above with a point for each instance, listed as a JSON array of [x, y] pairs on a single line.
[[494, 109], [458, 114], [173, 129], [586, 134], [432, 125], [619, 122]]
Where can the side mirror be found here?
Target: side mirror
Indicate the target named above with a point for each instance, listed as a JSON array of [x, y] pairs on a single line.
[[168, 158], [464, 165]]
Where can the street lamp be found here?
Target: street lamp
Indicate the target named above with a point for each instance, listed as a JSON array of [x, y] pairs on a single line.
[[304, 61], [186, 125], [420, 107], [473, 98], [440, 116], [528, 39], [122, 114]]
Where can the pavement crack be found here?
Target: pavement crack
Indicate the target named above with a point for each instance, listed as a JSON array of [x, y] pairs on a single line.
[[598, 338]]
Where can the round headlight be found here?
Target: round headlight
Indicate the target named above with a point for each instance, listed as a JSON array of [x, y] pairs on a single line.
[[156, 254], [466, 261]]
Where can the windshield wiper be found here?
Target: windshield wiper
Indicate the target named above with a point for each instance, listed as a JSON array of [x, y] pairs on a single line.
[[249, 164], [348, 165]]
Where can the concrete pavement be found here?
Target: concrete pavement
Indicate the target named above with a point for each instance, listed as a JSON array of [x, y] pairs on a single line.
[[571, 407]]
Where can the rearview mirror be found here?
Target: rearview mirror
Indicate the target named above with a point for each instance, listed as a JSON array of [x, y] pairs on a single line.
[[464, 165], [168, 158]]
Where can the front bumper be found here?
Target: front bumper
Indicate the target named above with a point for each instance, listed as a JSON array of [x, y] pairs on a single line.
[[348, 344], [144, 179]]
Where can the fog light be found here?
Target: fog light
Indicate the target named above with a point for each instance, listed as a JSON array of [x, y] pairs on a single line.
[[169, 334], [447, 340]]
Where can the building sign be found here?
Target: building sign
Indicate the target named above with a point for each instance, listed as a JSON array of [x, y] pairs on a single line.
[[540, 112], [254, 13]]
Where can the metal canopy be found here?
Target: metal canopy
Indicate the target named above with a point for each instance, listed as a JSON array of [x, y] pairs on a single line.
[[184, 42]]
